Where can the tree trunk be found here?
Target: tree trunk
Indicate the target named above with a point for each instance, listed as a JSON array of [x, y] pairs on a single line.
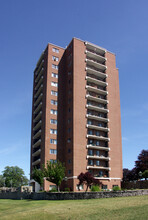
[[86, 188], [58, 188]]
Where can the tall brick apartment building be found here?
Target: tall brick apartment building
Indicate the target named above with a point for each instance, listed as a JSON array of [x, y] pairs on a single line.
[[87, 130]]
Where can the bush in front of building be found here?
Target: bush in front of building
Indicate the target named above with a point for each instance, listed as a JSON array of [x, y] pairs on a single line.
[[95, 188], [116, 188], [67, 189]]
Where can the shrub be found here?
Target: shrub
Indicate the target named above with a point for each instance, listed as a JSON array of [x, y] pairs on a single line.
[[116, 188], [53, 190], [95, 188], [67, 189]]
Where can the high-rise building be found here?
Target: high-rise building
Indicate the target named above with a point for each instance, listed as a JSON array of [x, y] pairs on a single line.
[[44, 110], [89, 124]]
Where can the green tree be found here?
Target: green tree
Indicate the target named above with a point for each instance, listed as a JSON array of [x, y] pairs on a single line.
[[54, 172], [1, 180], [38, 176], [145, 174], [142, 163], [14, 176]]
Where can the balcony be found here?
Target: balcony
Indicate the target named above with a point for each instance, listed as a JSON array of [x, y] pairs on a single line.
[[36, 153], [97, 147], [38, 117], [97, 127], [97, 118], [39, 75], [36, 162], [96, 81], [38, 91], [38, 108], [95, 64], [98, 137], [92, 55], [37, 143], [93, 107], [38, 125], [93, 98], [98, 168], [95, 72], [39, 83], [96, 90], [38, 134], [95, 49], [98, 157], [38, 99]]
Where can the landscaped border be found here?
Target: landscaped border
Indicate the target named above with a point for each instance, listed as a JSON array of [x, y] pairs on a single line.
[[71, 195]]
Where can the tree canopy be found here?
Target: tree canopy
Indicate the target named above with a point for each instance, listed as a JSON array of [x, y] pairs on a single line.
[[142, 163], [54, 172], [38, 176], [14, 176], [87, 179]]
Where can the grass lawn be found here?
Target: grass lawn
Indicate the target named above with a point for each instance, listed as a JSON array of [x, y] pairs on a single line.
[[135, 208]]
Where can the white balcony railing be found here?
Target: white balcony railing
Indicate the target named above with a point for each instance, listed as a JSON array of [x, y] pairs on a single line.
[[98, 168], [36, 162], [37, 143], [37, 134], [95, 117], [96, 90], [98, 157], [90, 146], [96, 99], [98, 137], [93, 107], [96, 72], [95, 127]]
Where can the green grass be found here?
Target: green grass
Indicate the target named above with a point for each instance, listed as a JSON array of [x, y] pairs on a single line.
[[135, 208]]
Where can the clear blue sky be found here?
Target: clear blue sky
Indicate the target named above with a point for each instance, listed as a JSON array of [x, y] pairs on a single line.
[[25, 29]]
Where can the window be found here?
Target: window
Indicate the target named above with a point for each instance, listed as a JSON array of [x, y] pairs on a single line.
[[97, 162], [97, 153], [90, 152], [55, 66], [69, 120], [53, 161], [69, 73], [55, 50], [90, 162], [69, 171], [99, 124], [54, 112], [89, 122], [54, 102], [53, 131], [97, 143], [90, 142], [69, 161], [69, 129], [97, 133], [53, 151], [69, 140], [69, 150], [69, 110], [54, 92], [53, 141], [90, 132], [100, 173], [104, 186], [79, 187], [55, 58], [53, 121], [52, 187], [55, 75], [54, 84]]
